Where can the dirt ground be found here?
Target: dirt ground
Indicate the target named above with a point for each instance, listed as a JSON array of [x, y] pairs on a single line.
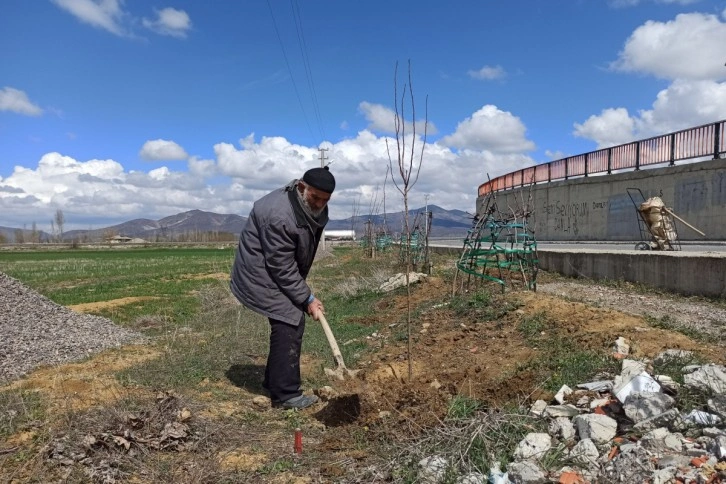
[[474, 356], [478, 357]]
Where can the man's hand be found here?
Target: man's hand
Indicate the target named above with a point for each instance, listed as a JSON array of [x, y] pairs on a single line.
[[315, 308]]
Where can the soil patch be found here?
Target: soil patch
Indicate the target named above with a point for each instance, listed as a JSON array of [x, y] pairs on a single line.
[[111, 303]]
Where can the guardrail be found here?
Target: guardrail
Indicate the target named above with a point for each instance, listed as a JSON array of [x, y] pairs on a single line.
[[697, 142]]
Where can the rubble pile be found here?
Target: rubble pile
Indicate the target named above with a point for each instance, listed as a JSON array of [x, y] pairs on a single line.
[[626, 429]]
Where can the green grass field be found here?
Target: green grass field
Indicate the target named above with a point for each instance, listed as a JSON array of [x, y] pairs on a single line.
[[184, 291]]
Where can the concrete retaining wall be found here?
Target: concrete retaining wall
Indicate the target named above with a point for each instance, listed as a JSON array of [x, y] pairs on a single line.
[[686, 273], [598, 208]]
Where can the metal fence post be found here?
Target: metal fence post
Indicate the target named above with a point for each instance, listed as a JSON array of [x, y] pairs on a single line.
[[637, 155], [610, 161], [587, 160], [716, 139], [673, 149]]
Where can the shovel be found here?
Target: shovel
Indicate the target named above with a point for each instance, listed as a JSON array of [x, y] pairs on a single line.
[[341, 371]]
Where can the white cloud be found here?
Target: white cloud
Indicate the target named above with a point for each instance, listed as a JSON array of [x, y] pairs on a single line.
[[169, 21], [689, 47], [555, 155], [383, 120], [490, 129], [689, 51], [202, 168], [164, 150], [17, 101], [611, 127], [102, 14], [109, 15], [488, 73], [683, 104], [238, 176]]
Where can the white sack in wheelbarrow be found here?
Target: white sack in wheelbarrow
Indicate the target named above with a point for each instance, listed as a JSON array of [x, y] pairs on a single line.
[[659, 223]]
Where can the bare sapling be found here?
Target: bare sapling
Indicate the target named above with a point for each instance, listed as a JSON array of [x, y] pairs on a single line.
[[408, 159]]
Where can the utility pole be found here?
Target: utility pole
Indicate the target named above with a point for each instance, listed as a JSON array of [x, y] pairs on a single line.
[[322, 156], [322, 165], [426, 214]]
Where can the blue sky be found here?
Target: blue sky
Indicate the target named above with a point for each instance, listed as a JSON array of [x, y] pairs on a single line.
[[112, 110]]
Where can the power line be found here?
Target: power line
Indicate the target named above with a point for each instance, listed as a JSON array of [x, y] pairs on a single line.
[[306, 62], [289, 70]]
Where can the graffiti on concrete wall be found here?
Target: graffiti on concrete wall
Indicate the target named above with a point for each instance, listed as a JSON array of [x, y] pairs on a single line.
[[566, 217]]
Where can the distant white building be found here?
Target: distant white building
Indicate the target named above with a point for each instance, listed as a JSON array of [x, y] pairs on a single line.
[[339, 234], [122, 239]]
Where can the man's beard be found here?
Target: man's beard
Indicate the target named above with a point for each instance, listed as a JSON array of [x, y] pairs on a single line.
[[310, 210]]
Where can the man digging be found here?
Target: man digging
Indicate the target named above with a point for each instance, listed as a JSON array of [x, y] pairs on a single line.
[[276, 249]]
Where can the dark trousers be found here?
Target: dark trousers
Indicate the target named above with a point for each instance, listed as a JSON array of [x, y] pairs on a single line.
[[282, 373]]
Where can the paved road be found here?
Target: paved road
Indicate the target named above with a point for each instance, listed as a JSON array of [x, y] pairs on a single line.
[[685, 246]]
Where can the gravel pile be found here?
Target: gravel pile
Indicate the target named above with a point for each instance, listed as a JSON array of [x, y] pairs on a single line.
[[35, 331]]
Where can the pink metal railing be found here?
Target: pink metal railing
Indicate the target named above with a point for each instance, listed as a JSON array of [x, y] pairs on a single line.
[[697, 142]]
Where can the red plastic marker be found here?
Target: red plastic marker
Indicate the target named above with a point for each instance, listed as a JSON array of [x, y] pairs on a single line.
[[298, 441]]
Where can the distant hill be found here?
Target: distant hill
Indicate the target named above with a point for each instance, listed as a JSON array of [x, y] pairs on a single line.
[[193, 221], [445, 223], [8, 234]]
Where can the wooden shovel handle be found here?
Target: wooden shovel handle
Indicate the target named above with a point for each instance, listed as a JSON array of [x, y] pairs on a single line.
[[331, 340]]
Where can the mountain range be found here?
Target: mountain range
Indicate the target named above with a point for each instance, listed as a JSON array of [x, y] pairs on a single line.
[[444, 223]]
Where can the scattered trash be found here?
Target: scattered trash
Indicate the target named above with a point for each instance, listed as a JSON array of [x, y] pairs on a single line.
[[642, 382]]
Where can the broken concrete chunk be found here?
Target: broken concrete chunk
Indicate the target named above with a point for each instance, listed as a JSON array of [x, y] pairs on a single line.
[[538, 408], [621, 346], [526, 472], [599, 428], [711, 377], [717, 405], [562, 393], [632, 367], [668, 383], [718, 447], [632, 466], [432, 469], [533, 446], [664, 476], [661, 440], [472, 478], [585, 454], [597, 386], [670, 419], [690, 368], [399, 280], [554, 411], [712, 432], [673, 460], [563, 429], [669, 355], [639, 406]]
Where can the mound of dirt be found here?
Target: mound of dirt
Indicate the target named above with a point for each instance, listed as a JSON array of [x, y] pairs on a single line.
[[477, 356]]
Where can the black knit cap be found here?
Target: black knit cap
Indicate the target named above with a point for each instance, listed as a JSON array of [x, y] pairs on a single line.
[[320, 178]]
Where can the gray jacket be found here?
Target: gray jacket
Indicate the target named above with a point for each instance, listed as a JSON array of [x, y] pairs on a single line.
[[276, 250]]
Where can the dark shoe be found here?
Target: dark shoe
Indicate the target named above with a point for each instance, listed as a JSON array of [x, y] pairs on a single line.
[[297, 403]]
